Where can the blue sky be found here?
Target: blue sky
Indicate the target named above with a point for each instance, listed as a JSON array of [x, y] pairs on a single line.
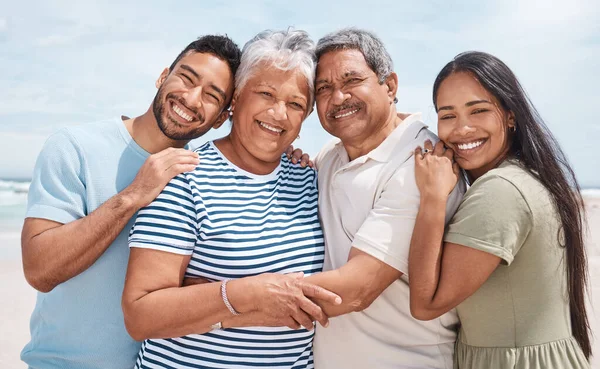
[[72, 62]]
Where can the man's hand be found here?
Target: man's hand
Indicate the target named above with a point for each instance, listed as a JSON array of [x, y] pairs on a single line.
[[297, 156], [284, 299], [157, 171]]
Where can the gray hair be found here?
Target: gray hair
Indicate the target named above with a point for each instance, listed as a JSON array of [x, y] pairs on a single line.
[[284, 50], [376, 56]]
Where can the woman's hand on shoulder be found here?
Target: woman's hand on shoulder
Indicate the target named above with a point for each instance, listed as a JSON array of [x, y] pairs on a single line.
[[436, 172]]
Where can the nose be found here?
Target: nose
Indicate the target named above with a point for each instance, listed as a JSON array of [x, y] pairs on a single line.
[[464, 127], [193, 98], [278, 111], [338, 97]]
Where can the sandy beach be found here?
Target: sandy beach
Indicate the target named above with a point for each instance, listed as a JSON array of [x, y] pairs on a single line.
[[19, 298]]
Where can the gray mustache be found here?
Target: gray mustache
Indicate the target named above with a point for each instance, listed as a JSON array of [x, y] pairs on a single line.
[[334, 111]]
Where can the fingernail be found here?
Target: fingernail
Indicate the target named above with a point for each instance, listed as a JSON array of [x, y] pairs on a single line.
[[338, 300]]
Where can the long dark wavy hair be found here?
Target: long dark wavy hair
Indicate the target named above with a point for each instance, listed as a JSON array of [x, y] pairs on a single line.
[[540, 154]]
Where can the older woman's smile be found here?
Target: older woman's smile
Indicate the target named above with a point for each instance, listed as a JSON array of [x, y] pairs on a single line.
[[270, 128]]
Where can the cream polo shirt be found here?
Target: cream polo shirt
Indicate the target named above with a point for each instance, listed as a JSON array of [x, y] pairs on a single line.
[[371, 203]]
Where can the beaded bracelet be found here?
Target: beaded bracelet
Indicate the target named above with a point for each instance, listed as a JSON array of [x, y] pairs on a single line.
[[225, 299]]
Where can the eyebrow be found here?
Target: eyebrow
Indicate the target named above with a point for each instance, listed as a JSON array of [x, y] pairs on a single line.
[[350, 74], [190, 69], [263, 83], [321, 81], [470, 103], [214, 87], [273, 87], [344, 76], [219, 91]]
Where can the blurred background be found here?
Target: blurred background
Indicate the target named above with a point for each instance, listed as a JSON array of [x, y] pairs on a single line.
[[68, 63]]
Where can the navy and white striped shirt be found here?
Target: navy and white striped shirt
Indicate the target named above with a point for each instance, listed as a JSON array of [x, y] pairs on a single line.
[[235, 224]]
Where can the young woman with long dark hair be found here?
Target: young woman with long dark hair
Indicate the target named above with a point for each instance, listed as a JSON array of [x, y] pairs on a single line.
[[512, 260]]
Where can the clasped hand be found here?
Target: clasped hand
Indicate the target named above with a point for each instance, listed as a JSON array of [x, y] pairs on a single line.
[[287, 300], [436, 172], [279, 300]]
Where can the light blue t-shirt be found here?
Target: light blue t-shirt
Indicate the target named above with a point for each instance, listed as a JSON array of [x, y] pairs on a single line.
[[79, 324]]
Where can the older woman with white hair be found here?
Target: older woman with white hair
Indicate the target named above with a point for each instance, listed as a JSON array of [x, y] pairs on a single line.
[[246, 221]]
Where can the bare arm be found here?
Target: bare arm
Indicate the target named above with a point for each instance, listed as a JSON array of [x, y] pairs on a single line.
[[441, 275], [359, 282], [156, 306], [54, 252]]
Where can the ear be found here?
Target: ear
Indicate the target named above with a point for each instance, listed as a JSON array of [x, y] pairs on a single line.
[[392, 85], [162, 77], [233, 101], [511, 120], [221, 119]]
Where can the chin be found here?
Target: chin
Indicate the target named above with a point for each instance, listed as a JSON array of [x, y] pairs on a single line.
[[467, 165], [267, 155]]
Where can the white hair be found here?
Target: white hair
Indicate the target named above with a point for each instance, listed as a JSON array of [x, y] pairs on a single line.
[[284, 50]]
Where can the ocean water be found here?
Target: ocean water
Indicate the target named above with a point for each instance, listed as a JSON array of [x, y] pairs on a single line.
[[13, 204]]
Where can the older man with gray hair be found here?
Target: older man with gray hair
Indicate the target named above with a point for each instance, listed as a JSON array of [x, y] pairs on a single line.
[[368, 202]]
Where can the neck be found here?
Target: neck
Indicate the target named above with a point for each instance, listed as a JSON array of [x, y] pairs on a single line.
[[236, 153], [145, 132], [362, 146]]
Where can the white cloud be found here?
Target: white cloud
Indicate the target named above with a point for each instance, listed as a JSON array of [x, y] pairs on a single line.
[[87, 60]]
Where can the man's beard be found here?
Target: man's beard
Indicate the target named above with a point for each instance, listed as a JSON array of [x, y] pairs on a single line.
[[170, 127]]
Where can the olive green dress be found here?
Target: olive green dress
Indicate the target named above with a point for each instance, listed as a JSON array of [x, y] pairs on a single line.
[[519, 318]]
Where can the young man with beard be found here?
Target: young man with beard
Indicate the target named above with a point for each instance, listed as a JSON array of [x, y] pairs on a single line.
[[88, 183], [368, 203]]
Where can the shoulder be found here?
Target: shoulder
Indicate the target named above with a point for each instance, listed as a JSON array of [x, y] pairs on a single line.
[[206, 149], [521, 180], [296, 174], [61, 146], [76, 140], [91, 132], [327, 153], [211, 158], [424, 135], [508, 177], [402, 162], [501, 188]]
